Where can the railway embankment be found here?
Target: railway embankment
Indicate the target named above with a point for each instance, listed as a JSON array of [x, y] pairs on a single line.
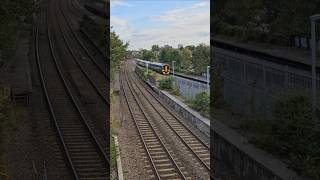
[[200, 122]]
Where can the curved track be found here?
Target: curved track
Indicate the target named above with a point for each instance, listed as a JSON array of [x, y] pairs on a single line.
[[149, 103], [84, 155], [161, 160]]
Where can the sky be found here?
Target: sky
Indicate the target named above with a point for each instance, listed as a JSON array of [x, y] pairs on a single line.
[[144, 23]]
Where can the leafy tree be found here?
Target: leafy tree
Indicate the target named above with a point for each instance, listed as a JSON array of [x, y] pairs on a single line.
[[201, 58], [14, 13], [270, 21], [118, 51], [186, 59], [155, 48], [190, 47]]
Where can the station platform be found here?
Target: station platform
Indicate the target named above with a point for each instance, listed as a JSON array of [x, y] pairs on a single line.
[[199, 78], [294, 54]]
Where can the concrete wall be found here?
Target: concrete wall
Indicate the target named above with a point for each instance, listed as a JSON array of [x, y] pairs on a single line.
[[192, 116], [235, 152], [187, 113], [231, 150], [189, 88]]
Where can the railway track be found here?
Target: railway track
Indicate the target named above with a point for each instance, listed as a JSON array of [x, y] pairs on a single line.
[[93, 72], [162, 163], [84, 155], [89, 43], [194, 145]]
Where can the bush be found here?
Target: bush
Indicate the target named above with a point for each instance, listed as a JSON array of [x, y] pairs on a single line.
[[201, 103], [294, 135], [166, 83]]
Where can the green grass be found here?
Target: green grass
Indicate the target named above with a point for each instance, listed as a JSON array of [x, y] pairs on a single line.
[[113, 154]]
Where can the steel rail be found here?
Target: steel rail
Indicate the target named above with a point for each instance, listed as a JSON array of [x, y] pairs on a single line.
[[83, 119], [82, 31], [81, 67], [175, 116], [81, 44], [173, 129], [139, 132], [148, 120], [49, 103]]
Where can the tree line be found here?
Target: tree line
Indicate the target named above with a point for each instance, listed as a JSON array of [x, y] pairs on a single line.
[[14, 15], [270, 21], [189, 59]]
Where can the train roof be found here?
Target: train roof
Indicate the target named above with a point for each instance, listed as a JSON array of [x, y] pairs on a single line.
[[150, 62]]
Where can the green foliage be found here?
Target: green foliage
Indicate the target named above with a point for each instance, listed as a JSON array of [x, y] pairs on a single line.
[[166, 83], [118, 52], [113, 154], [201, 103], [270, 21], [155, 48], [175, 89], [293, 134], [146, 55], [201, 58], [188, 60], [168, 54], [14, 13]]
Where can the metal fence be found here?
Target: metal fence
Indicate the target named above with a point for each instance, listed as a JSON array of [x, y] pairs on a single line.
[[252, 85]]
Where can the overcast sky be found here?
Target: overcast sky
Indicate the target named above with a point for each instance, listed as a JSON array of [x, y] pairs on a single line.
[[143, 23]]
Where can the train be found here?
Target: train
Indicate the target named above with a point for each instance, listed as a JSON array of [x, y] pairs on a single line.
[[161, 68]]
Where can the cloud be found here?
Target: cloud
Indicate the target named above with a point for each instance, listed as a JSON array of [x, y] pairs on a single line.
[[120, 26], [114, 3], [187, 25]]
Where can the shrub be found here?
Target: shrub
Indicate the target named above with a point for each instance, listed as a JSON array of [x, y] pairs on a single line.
[[294, 135], [201, 103], [166, 83]]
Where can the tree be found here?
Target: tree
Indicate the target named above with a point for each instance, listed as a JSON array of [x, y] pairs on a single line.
[[155, 48], [201, 58], [118, 51], [146, 55], [186, 59]]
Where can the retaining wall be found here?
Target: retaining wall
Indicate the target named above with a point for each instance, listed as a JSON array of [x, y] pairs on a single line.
[[244, 159], [232, 153], [203, 124]]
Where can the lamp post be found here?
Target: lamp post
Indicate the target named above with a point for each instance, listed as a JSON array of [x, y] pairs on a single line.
[[313, 19], [147, 64], [173, 68], [208, 79]]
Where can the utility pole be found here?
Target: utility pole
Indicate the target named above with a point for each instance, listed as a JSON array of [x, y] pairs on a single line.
[[147, 64], [173, 68], [208, 79]]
